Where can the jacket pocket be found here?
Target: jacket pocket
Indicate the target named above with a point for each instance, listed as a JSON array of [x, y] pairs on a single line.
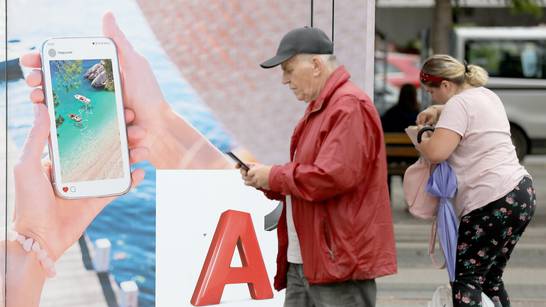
[[328, 240]]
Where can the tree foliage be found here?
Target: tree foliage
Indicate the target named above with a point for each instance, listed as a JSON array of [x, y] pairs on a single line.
[[69, 74], [532, 7], [443, 25], [107, 64]]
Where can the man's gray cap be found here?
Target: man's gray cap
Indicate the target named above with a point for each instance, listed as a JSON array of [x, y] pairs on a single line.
[[301, 40]]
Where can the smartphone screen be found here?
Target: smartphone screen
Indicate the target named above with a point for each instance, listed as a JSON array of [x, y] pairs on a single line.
[[88, 140]]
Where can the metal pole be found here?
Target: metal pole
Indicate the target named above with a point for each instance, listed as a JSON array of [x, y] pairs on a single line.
[[312, 13], [333, 10], [369, 32]]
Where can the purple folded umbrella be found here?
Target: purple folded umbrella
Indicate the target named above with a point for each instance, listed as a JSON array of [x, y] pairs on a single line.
[[443, 184]]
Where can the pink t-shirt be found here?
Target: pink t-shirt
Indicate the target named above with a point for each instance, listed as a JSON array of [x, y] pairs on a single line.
[[485, 160]]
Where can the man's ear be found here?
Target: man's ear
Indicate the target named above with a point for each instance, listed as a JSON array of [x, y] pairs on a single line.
[[318, 66]]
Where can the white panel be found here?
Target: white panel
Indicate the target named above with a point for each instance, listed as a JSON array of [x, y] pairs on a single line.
[[188, 207]]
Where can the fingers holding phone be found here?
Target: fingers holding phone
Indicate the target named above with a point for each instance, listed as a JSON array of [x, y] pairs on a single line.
[[239, 163], [258, 176], [34, 78], [54, 222], [32, 60], [242, 170], [88, 136], [246, 169]]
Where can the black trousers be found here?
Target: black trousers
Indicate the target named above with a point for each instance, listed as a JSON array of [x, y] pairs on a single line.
[[486, 239]]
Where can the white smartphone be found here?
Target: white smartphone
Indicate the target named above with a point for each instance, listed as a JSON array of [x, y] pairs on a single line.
[[88, 137]]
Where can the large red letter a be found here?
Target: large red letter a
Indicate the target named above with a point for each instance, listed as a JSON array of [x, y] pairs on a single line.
[[234, 228]]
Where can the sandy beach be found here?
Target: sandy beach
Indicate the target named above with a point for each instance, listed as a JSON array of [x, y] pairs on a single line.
[[103, 161]]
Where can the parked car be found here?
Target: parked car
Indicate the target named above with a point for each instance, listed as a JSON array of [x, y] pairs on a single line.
[[385, 96], [515, 59], [401, 69]]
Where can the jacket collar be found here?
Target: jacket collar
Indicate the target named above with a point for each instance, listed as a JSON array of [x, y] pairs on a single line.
[[336, 79]]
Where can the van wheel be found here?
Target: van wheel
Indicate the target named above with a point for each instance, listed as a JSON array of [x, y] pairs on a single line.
[[519, 139]]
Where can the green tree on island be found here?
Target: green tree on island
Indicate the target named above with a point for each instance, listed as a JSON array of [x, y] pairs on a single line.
[[59, 119], [55, 100], [109, 85], [69, 74]]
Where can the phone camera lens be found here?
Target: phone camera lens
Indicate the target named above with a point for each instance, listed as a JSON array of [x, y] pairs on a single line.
[[93, 43], [52, 52]]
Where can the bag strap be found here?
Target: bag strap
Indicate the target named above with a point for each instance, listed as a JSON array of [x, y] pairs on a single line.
[[432, 247], [423, 130]]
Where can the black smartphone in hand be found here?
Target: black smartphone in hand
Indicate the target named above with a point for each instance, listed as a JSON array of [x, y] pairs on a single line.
[[236, 159]]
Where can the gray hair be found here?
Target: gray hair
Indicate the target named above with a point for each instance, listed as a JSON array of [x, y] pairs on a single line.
[[329, 60]]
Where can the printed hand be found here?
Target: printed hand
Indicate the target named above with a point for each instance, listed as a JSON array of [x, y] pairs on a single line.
[[143, 99], [54, 222], [155, 132]]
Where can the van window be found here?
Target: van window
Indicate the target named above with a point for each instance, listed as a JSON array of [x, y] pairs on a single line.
[[509, 58]]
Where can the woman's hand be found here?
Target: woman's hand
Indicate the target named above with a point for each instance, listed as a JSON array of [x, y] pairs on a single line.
[[156, 133], [143, 100], [54, 222], [429, 116]]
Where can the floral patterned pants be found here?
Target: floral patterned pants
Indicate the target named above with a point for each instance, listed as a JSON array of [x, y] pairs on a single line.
[[486, 239]]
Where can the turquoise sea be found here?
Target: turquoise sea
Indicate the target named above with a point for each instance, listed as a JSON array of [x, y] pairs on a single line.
[[83, 138]]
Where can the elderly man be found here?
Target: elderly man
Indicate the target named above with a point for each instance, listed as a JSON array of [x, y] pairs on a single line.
[[335, 233]]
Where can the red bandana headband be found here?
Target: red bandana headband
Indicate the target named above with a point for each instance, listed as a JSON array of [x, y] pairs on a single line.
[[430, 79]]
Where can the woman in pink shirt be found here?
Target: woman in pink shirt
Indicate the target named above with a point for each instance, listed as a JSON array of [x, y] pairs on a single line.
[[495, 196]]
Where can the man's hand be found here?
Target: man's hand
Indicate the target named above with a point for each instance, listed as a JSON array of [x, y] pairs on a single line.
[[257, 176]]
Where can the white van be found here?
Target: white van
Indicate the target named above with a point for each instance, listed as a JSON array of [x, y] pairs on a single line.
[[515, 59]]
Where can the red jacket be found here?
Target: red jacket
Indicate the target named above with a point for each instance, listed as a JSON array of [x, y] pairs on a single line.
[[338, 183]]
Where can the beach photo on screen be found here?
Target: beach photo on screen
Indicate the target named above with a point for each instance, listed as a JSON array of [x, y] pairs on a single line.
[[86, 121]]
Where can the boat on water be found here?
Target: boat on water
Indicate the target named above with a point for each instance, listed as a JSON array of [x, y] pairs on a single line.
[[75, 118], [83, 99]]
